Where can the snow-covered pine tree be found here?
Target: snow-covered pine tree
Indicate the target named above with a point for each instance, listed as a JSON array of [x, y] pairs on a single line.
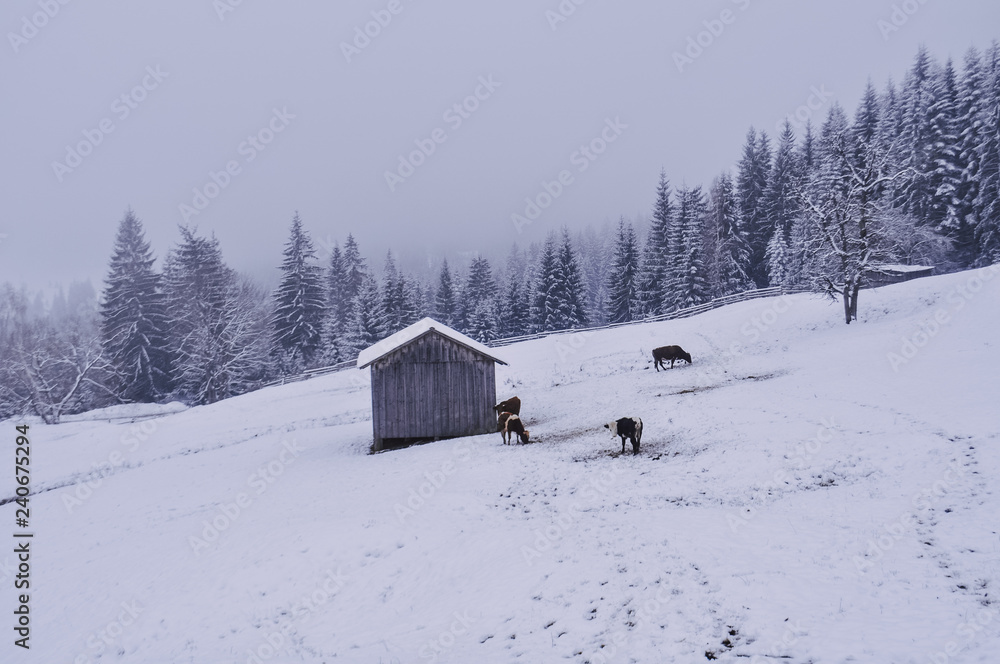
[[354, 267], [676, 258], [513, 308], [915, 141], [623, 286], [834, 139], [392, 297], [445, 305], [987, 202], [971, 119], [594, 252], [482, 322], [413, 305], [338, 309], [945, 177], [655, 278], [971, 122], [890, 139], [513, 302], [133, 318], [218, 333], [781, 204], [692, 288], [867, 124], [367, 316], [480, 289], [731, 252], [299, 306], [807, 150], [548, 304], [573, 288], [751, 184]]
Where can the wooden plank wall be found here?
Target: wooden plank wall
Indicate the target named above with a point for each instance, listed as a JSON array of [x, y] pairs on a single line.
[[433, 388]]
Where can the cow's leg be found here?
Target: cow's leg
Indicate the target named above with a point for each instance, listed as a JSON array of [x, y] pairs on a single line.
[[635, 446]]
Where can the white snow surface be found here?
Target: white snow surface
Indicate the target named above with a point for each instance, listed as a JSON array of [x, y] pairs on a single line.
[[418, 329], [800, 496]]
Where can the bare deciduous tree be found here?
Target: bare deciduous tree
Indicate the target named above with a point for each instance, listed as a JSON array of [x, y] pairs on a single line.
[[51, 373], [849, 224]]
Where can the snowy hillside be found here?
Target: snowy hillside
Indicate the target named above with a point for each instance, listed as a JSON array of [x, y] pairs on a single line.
[[806, 491]]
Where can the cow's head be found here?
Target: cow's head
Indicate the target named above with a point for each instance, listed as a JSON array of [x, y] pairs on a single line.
[[686, 357], [524, 436], [613, 427]]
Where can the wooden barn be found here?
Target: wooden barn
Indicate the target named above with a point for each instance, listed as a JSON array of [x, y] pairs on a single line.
[[430, 382]]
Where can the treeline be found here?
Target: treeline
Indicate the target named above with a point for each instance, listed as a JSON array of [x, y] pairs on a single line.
[[913, 177]]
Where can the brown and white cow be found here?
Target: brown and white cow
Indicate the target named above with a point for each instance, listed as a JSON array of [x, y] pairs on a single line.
[[502, 420], [514, 426]]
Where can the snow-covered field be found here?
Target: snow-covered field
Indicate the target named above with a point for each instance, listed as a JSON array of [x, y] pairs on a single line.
[[806, 491]]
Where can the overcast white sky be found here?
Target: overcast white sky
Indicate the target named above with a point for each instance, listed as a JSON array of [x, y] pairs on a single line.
[[221, 80]]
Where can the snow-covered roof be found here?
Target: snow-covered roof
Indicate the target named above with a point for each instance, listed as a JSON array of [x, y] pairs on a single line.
[[415, 331], [902, 268]]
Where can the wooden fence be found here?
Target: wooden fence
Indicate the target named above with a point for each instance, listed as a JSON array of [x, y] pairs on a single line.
[[312, 373], [673, 315]]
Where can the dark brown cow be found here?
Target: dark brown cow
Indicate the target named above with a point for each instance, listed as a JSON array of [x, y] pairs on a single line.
[[672, 353], [512, 405]]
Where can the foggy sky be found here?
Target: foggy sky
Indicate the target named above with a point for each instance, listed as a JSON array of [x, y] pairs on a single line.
[[198, 82]]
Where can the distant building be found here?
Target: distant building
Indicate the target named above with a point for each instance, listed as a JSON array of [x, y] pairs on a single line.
[[883, 275], [430, 382]]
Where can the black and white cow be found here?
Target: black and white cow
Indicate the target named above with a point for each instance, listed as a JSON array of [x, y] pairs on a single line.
[[627, 427]]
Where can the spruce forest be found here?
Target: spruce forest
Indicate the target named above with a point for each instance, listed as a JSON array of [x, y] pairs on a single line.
[[912, 177]]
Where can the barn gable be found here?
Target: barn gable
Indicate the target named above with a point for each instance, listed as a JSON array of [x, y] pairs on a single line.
[[430, 382], [419, 329]]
